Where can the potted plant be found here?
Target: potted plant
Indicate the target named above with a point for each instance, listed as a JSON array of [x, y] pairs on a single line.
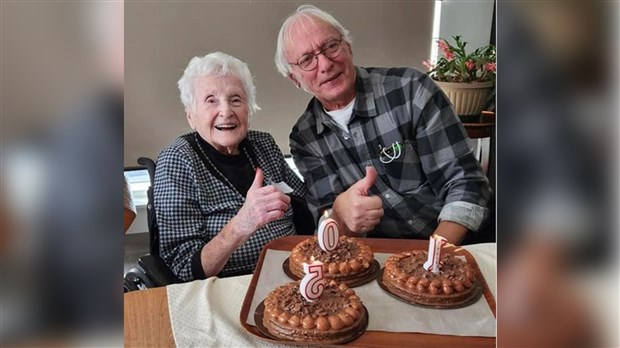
[[467, 79]]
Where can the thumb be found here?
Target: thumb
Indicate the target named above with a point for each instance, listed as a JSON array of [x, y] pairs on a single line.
[[368, 181], [258, 179]]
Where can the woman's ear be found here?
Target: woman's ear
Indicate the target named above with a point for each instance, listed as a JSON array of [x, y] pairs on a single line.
[[190, 119]]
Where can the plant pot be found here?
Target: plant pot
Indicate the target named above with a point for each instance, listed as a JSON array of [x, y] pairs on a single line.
[[467, 98]]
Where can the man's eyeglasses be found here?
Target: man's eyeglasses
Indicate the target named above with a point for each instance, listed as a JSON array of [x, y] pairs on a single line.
[[331, 49]]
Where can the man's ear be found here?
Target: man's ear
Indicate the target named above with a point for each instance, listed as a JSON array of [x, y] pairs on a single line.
[[294, 79], [350, 49], [190, 119]]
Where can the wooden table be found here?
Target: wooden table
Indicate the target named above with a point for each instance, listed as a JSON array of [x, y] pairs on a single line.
[[147, 320]]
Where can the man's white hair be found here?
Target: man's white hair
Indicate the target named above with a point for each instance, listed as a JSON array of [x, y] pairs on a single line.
[[216, 64], [284, 37]]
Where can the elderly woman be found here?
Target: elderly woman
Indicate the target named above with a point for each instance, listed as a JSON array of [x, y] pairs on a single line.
[[218, 190]]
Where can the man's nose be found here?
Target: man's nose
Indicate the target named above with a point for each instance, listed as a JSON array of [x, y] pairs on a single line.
[[324, 63]]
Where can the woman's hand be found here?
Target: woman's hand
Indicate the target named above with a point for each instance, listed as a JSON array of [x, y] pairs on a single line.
[[262, 206]]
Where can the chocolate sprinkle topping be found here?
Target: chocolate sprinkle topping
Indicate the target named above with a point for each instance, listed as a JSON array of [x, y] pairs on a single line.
[[451, 267], [346, 250], [291, 300]]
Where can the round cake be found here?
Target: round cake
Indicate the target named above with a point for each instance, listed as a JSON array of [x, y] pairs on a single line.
[[349, 262], [337, 316], [455, 285]]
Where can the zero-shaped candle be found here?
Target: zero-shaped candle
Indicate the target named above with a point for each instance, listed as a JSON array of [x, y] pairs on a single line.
[[327, 233], [313, 283], [434, 253]]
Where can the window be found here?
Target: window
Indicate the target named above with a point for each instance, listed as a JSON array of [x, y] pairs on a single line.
[[139, 182]]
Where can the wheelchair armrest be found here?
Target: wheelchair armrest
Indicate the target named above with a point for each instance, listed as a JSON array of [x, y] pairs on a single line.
[[157, 270]]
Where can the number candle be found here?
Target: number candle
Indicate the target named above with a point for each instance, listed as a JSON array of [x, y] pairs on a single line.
[[313, 283], [434, 253], [327, 233]]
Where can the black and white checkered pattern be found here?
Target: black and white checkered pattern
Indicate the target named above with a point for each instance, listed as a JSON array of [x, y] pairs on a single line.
[[192, 205], [437, 176]]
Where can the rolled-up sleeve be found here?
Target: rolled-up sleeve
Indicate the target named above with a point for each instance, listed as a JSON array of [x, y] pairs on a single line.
[[448, 161]]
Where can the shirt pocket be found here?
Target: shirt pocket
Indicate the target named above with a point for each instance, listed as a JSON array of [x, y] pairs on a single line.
[[404, 172]]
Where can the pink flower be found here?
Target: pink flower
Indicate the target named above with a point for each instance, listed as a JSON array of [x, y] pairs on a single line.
[[443, 45], [490, 67], [469, 64], [454, 64], [445, 49]]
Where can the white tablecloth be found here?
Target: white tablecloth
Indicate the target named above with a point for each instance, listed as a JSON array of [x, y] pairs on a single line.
[[206, 313]]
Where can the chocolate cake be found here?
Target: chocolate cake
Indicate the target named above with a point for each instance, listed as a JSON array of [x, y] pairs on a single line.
[[454, 286], [337, 316], [349, 262]]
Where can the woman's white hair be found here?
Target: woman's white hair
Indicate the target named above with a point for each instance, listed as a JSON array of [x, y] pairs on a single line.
[[216, 64], [284, 37]]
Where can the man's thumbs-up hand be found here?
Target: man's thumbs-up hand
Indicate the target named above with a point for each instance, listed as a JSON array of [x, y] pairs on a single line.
[[358, 211], [364, 185]]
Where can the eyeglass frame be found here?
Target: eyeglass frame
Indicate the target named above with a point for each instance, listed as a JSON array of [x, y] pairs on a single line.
[[315, 56]]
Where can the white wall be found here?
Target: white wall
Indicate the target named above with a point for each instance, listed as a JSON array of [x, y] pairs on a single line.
[[470, 19]]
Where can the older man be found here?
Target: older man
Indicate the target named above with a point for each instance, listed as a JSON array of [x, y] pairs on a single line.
[[380, 149]]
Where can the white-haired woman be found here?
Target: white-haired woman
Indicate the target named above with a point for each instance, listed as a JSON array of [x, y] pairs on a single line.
[[215, 203]]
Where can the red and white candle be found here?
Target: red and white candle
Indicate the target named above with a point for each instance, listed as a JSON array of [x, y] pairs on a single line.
[[434, 253], [313, 283], [327, 233]]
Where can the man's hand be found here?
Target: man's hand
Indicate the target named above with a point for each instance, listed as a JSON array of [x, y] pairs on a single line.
[[355, 209], [262, 205]]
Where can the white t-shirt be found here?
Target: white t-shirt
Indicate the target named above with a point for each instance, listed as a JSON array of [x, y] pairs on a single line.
[[342, 116]]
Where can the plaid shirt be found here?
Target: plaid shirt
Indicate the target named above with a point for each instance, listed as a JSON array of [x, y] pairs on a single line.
[[436, 177], [192, 205]]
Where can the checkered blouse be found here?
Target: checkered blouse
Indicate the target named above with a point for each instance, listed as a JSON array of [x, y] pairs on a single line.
[[192, 205]]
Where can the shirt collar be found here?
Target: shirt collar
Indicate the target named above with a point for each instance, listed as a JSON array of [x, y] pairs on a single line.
[[364, 101]]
